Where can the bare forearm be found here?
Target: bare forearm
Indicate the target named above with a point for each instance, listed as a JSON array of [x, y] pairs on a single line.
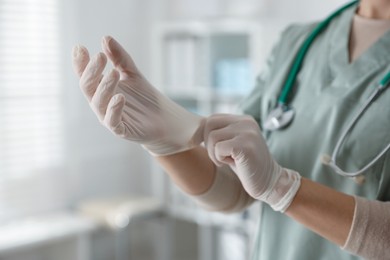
[[325, 211], [322, 209], [191, 170], [214, 189]]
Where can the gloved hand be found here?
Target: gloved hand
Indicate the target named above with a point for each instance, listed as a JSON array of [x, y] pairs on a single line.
[[129, 106], [237, 141]]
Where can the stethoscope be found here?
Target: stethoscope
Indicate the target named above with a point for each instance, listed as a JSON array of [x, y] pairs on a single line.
[[281, 116]]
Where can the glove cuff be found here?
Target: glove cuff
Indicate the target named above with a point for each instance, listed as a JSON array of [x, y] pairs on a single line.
[[188, 136], [284, 190]]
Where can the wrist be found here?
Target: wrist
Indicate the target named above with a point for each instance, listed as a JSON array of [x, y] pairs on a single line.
[[182, 137], [283, 190]]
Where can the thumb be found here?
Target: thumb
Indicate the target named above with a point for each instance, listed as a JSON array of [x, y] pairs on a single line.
[[118, 55]]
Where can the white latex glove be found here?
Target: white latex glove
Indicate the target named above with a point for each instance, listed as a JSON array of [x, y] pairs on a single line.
[[238, 142], [129, 106]]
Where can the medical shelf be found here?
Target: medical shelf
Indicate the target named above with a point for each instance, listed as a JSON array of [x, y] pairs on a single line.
[[61, 235], [207, 61], [207, 67]]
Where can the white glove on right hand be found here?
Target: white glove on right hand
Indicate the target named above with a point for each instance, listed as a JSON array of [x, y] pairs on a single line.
[[130, 107], [238, 142]]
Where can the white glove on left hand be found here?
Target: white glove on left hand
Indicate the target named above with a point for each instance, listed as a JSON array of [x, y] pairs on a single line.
[[237, 141], [130, 107]]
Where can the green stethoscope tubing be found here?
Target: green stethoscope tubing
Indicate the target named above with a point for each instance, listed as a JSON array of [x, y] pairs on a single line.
[[296, 66], [289, 84], [385, 81]]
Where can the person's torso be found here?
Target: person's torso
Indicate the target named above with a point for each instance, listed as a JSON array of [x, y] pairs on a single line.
[[329, 93]]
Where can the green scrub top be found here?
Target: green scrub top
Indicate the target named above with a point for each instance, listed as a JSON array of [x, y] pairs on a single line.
[[329, 91]]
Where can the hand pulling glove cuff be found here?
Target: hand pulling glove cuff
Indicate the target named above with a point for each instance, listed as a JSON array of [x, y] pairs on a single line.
[[238, 142]]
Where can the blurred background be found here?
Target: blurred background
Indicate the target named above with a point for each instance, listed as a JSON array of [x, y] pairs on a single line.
[[71, 190]]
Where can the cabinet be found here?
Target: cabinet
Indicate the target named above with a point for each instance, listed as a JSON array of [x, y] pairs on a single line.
[[62, 235], [208, 67]]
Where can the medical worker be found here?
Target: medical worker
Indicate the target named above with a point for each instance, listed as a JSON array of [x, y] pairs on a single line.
[[282, 151]]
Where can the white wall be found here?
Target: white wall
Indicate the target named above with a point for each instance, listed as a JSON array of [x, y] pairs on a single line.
[[101, 164], [302, 10]]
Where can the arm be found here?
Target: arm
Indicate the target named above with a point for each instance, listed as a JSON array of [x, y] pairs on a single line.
[[131, 108], [213, 188], [191, 170], [369, 236], [325, 211], [362, 228]]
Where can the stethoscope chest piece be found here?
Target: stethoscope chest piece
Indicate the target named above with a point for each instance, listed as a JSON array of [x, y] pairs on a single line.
[[279, 117]]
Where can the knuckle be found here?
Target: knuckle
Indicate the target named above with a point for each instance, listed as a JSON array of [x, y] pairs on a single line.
[[252, 133], [249, 120], [101, 58], [244, 140], [209, 125], [213, 121], [105, 86], [212, 137], [237, 152], [113, 76], [86, 85], [251, 125], [95, 102]]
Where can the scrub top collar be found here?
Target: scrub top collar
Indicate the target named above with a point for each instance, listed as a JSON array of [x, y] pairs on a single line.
[[376, 55]]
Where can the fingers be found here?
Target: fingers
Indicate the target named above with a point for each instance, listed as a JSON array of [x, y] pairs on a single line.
[[80, 59], [217, 121], [215, 137], [227, 151], [217, 129], [227, 136], [92, 75], [118, 55], [113, 118], [104, 93]]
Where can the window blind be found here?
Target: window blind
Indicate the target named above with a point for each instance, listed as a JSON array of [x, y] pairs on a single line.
[[30, 95]]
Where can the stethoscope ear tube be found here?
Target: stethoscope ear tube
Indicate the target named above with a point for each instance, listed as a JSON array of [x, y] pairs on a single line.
[[327, 160], [333, 163]]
